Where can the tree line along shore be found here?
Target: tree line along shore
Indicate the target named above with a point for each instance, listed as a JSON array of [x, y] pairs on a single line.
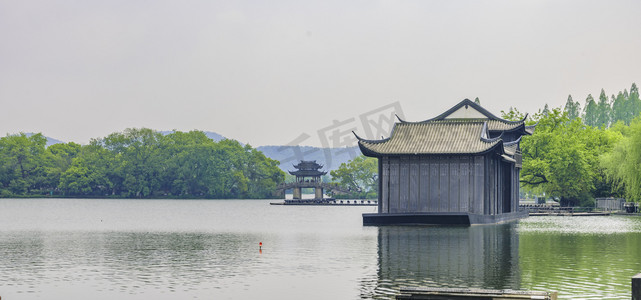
[[136, 163], [576, 154]]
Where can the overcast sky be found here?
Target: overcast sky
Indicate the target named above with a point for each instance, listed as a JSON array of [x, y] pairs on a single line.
[[269, 72]]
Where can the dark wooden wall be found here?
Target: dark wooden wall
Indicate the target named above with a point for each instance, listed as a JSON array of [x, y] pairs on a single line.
[[470, 184]]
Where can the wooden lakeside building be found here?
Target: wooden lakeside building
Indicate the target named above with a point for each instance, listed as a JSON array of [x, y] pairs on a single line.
[[461, 167]]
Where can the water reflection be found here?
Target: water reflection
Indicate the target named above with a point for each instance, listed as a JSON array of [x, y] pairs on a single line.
[[122, 262], [580, 257], [103, 249], [477, 256]]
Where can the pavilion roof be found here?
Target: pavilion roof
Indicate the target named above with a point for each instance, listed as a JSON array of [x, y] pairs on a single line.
[[463, 129], [308, 165], [468, 111], [433, 138], [307, 173]]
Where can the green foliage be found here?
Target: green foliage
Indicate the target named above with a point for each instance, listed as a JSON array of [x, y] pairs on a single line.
[[513, 114], [137, 163], [619, 108], [23, 164], [561, 159], [359, 176], [603, 111], [590, 112], [623, 164], [622, 107], [573, 109]]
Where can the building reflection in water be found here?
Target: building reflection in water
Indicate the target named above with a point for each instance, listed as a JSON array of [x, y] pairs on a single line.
[[483, 256]]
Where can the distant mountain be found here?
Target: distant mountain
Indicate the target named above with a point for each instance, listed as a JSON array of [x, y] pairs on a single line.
[[214, 136], [50, 141], [330, 158]]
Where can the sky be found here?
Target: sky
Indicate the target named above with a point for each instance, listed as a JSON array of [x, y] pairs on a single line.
[[299, 72]]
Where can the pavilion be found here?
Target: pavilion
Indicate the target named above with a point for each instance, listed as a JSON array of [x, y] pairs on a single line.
[[308, 174], [461, 167]]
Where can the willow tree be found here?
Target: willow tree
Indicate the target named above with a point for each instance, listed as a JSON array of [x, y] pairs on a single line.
[[623, 164]]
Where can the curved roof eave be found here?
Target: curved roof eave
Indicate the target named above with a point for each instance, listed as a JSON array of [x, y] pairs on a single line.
[[513, 142], [377, 141], [492, 140], [530, 129], [371, 153], [522, 128]]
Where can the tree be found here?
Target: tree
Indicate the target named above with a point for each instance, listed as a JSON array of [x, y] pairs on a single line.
[[92, 172], [360, 176], [623, 164], [590, 112], [138, 163], [573, 109], [22, 164], [140, 160], [189, 168], [604, 111], [513, 114], [561, 158], [60, 157], [546, 110], [619, 106], [633, 103]]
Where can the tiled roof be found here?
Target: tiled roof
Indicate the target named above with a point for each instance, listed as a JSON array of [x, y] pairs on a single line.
[[442, 137], [492, 125], [463, 129], [307, 173], [308, 165], [496, 125]]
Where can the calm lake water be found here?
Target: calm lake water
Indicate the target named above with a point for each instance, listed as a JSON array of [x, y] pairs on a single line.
[[208, 249]]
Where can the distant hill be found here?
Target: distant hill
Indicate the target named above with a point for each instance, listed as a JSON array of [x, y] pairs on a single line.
[[50, 141], [330, 158], [214, 136]]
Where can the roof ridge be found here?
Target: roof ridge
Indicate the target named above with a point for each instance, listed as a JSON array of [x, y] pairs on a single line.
[[467, 102]]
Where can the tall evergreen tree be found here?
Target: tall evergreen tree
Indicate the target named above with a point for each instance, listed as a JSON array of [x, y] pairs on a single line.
[[619, 105], [546, 110], [590, 111], [572, 108], [634, 103], [603, 111]]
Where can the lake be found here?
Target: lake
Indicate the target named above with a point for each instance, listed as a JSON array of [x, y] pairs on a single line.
[[209, 249]]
